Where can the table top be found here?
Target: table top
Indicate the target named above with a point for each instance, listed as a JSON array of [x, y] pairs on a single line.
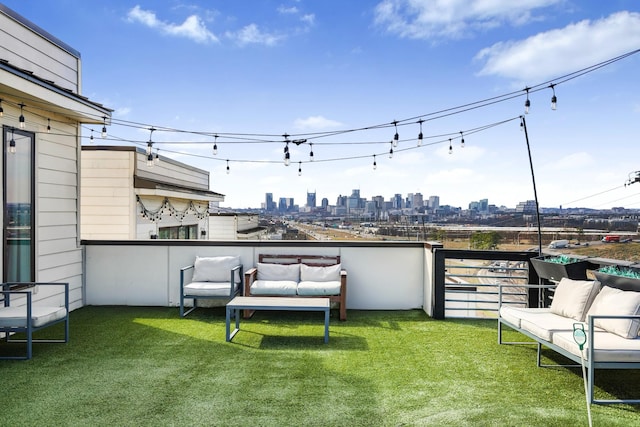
[[279, 302]]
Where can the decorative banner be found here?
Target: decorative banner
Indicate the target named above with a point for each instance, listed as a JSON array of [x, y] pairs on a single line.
[[166, 206]]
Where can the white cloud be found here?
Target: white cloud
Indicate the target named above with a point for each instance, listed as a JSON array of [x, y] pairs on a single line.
[[192, 28], [316, 123], [559, 51], [308, 19], [288, 10], [122, 111], [251, 34], [428, 19]]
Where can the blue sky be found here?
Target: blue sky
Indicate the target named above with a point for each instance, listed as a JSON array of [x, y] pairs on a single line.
[[301, 67]]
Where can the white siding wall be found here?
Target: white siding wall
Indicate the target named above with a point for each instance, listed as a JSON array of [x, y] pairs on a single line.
[[222, 227], [108, 202], [173, 173], [29, 51]]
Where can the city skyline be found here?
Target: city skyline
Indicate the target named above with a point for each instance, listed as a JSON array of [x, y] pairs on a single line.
[[340, 80]]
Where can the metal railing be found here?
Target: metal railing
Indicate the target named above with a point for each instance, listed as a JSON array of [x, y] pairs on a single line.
[[467, 282]]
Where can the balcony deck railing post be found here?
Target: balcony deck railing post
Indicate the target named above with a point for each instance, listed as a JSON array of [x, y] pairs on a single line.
[[439, 257]]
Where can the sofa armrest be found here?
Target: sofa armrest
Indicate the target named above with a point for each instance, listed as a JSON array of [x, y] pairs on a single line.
[[186, 273], [249, 277]]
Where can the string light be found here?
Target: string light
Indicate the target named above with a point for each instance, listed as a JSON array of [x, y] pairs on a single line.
[[12, 143], [215, 145], [311, 152], [299, 168], [450, 147], [156, 159], [287, 158], [554, 100], [375, 165], [91, 137], [420, 136], [391, 151], [150, 143], [21, 119], [396, 137], [228, 170], [1, 109], [527, 103], [150, 160], [461, 140], [48, 125], [104, 127]]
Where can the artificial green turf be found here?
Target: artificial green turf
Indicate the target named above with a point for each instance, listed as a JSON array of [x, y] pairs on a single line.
[[148, 367]]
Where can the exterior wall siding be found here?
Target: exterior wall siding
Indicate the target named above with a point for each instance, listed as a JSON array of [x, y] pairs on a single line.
[[29, 51]]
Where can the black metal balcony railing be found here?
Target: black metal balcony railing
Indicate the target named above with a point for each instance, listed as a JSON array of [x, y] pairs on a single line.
[[466, 282]]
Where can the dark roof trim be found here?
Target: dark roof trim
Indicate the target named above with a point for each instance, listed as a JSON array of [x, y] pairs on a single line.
[[49, 85], [33, 27], [147, 183]]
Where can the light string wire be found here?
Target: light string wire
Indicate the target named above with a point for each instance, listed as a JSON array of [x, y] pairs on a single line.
[[265, 138]]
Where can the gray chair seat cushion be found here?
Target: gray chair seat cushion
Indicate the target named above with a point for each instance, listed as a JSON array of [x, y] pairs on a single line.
[[208, 289], [16, 317]]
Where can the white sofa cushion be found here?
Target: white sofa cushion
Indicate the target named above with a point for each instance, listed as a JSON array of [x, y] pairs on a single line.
[[268, 271], [40, 315], [544, 325], [215, 269], [573, 298], [310, 273], [617, 302], [514, 314], [608, 347], [274, 287], [310, 288], [209, 289]]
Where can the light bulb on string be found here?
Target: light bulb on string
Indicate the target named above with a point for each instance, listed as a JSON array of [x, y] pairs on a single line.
[[228, 170], [21, 119], [156, 159], [300, 168], [287, 159], [375, 165], [48, 125], [420, 136], [554, 99], [104, 127], [461, 140], [527, 103], [396, 137], [91, 137], [215, 145], [12, 144], [150, 160], [1, 109], [391, 151], [450, 147], [150, 143], [311, 152]]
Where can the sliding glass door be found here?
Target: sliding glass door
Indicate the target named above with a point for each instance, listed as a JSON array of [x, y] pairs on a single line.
[[18, 205]]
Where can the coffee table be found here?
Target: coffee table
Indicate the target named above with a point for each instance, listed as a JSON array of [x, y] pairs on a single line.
[[275, 303]]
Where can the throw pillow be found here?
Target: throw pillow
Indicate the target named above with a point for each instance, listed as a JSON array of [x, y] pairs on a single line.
[[573, 298], [215, 269], [268, 271], [330, 273], [617, 302]]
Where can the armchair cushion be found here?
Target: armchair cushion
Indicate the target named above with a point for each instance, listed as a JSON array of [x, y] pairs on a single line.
[[209, 289], [573, 298], [215, 269], [310, 273], [267, 271], [16, 317], [616, 302]]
